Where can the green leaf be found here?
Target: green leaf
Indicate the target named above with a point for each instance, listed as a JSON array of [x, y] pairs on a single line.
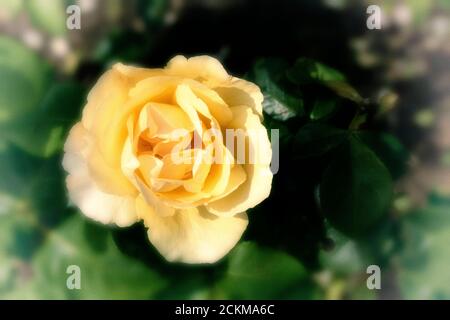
[[23, 82], [34, 183], [280, 102], [390, 151], [276, 109], [32, 197], [153, 12], [445, 4], [346, 91], [316, 139], [105, 272], [356, 189], [43, 131], [322, 108], [259, 273], [345, 258], [194, 286], [50, 15], [423, 262], [307, 71]]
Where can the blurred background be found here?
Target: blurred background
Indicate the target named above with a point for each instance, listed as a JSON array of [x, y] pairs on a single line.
[[291, 250]]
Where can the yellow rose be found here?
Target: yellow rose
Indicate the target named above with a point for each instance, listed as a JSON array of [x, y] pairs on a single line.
[[154, 145]]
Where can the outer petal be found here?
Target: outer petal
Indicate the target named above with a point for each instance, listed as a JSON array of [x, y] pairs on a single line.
[[258, 184], [83, 191], [239, 92], [203, 68], [99, 118], [192, 235], [136, 74]]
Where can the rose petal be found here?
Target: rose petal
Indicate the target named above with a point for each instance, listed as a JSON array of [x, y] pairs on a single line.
[[202, 68], [83, 191], [192, 235], [259, 176], [238, 92]]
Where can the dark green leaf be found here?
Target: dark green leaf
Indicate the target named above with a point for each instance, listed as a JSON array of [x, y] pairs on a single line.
[[322, 108], [306, 71], [279, 103], [390, 151], [316, 139], [356, 189]]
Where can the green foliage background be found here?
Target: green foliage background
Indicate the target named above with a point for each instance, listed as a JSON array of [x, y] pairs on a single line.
[[334, 207]]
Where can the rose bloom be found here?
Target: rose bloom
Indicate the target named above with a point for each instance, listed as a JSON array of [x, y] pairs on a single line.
[[123, 157]]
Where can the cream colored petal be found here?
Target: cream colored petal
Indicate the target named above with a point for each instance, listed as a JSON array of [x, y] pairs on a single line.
[[129, 162], [177, 166], [237, 177], [216, 105], [149, 167], [102, 100], [255, 189], [168, 118], [181, 199], [187, 101], [201, 68], [83, 191], [166, 147], [156, 89], [238, 92], [108, 178], [192, 235], [105, 101], [152, 200], [258, 183], [200, 171], [220, 171], [136, 74]]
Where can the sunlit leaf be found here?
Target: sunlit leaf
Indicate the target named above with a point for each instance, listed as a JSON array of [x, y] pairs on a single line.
[[106, 273], [252, 270], [23, 82], [50, 15], [43, 131], [423, 271]]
